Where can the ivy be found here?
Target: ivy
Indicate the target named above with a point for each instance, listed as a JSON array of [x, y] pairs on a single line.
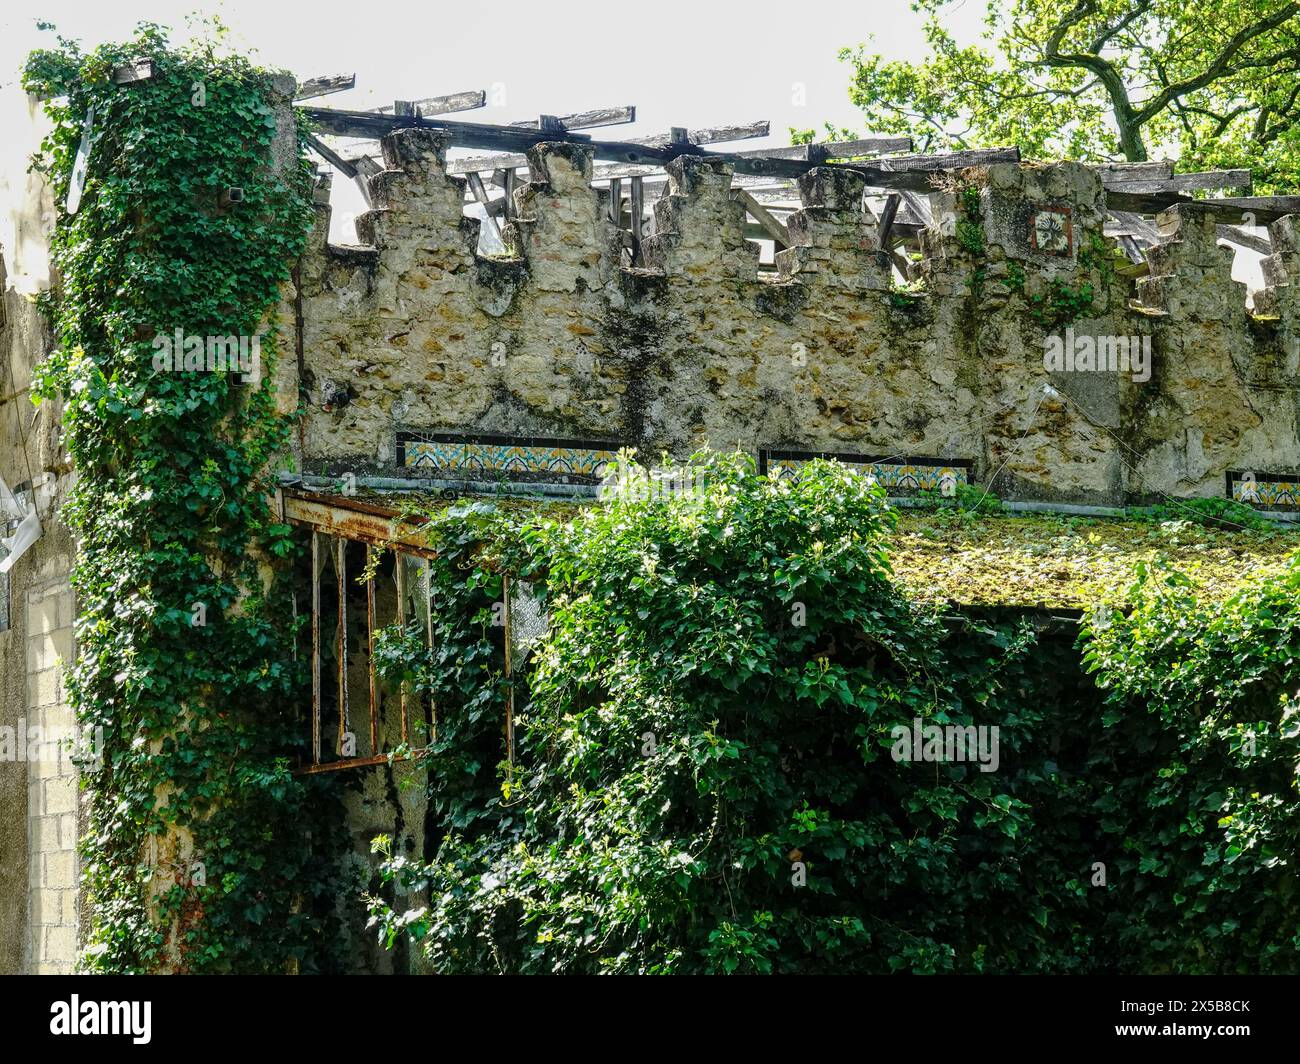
[[204, 853], [704, 779], [1061, 304]]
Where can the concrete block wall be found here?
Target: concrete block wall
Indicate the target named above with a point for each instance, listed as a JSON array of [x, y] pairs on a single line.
[[52, 794]]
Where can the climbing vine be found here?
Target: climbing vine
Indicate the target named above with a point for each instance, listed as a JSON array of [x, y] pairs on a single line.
[[706, 776], [203, 851]]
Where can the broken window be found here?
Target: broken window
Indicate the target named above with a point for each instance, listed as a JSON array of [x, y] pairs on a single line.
[[369, 574]]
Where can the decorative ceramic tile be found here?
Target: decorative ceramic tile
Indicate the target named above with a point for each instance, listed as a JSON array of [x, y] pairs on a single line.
[[1267, 491], [1051, 231], [479, 457], [899, 476]]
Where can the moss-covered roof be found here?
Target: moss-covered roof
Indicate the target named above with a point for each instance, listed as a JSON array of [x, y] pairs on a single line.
[[1056, 562], [1039, 561]]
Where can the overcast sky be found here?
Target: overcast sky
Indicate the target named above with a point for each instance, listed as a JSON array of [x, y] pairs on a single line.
[[681, 62]]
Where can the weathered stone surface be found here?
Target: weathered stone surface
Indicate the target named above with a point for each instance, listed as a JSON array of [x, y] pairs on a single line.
[[562, 341]]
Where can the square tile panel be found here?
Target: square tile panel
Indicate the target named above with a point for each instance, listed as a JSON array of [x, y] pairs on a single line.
[[459, 456], [1265, 491]]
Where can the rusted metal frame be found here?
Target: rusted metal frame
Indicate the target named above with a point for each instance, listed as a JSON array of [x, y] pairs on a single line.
[[341, 572], [510, 685], [352, 762], [370, 643], [357, 520], [315, 647], [399, 571], [428, 611]]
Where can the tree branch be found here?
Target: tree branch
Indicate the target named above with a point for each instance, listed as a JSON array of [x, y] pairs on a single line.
[[1218, 67]]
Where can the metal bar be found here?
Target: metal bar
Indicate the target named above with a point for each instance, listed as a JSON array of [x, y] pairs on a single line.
[[353, 762], [370, 642], [341, 571], [510, 686], [428, 609], [315, 648], [399, 570]]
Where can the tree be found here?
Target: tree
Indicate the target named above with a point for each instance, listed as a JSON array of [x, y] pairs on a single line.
[[1215, 83]]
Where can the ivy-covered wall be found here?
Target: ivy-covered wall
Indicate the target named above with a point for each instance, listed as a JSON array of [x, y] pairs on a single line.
[[189, 204]]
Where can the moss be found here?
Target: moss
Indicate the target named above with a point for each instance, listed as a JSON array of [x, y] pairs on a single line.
[[1056, 562]]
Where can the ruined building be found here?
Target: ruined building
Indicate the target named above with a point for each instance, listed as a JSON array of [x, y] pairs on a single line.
[[936, 322]]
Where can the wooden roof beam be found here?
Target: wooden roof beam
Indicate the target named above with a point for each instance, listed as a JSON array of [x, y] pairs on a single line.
[[323, 86], [609, 116]]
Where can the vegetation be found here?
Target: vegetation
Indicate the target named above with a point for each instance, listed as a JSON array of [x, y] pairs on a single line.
[[183, 656], [705, 778], [1212, 84]]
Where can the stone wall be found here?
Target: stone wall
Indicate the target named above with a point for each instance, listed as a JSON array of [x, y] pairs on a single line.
[[416, 332]]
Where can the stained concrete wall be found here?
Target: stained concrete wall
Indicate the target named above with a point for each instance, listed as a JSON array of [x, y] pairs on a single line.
[[39, 808], [415, 331]]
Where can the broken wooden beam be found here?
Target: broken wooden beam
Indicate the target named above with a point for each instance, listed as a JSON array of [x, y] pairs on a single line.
[[1229, 210], [952, 160], [609, 116], [437, 105], [1194, 182], [323, 86], [717, 135], [356, 172], [837, 150], [712, 134], [1234, 234], [480, 194], [1145, 171], [770, 226], [887, 220]]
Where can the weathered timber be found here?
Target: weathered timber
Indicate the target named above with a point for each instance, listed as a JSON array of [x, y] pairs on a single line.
[[887, 219], [953, 160], [1195, 182], [508, 138], [438, 105], [609, 116], [694, 136], [323, 86], [1230, 210], [1234, 234], [1147, 171], [480, 194], [818, 153], [771, 227], [357, 172]]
